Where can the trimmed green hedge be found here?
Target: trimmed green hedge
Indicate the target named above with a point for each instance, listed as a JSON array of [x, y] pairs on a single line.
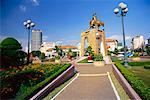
[[135, 82], [139, 63], [147, 66]]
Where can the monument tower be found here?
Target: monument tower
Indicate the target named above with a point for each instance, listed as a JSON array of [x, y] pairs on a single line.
[[95, 38]]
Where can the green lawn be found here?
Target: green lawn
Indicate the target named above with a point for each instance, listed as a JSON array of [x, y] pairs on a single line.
[[138, 69], [142, 73], [137, 75]]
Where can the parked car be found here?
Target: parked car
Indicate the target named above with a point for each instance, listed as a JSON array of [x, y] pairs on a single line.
[[120, 54], [129, 54]]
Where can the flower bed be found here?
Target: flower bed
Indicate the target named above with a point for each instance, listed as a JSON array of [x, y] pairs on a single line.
[[19, 84]]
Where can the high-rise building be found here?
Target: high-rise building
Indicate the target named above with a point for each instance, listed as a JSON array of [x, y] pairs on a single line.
[[137, 42], [36, 41]]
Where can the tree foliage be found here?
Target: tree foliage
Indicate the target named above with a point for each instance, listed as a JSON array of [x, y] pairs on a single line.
[[148, 50], [36, 53], [11, 53], [42, 56], [90, 51], [116, 51], [10, 43], [59, 51]]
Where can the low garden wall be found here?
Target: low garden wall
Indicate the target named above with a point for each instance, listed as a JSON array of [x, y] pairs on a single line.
[[55, 83], [127, 87]]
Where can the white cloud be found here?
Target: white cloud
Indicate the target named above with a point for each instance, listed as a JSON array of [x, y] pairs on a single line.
[[22, 8], [35, 2], [120, 37], [45, 37], [72, 42]]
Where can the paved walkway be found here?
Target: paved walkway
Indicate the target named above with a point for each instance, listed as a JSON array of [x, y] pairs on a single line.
[[91, 84]]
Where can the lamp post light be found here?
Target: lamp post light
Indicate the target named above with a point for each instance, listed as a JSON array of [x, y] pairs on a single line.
[[29, 25], [123, 9]]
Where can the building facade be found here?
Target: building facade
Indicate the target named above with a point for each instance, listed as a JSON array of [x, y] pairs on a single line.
[[137, 42], [47, 48], [36, 41], [111, 44], [147, 42]]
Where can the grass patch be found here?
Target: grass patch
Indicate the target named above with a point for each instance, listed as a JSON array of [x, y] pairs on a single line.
[[84, 61], [119, 88], [136, 82], [137, 76], [141, 69], [142, 73], [56, 90], [114, 59]]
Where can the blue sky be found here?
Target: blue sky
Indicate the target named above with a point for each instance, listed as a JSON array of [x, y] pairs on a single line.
[[64, 20]]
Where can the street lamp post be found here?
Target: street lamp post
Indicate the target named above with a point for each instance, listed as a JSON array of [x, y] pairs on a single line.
[[123, 11], [28, 24]]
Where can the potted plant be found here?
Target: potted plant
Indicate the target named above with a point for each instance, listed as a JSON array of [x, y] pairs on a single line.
[[98, 60], [57, 59], [90, 59]]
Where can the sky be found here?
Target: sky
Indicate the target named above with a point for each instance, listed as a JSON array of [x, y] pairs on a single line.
[[64, 20]]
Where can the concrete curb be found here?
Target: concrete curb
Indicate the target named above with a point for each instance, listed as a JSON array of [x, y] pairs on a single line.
[[55, 83], [127, 87]]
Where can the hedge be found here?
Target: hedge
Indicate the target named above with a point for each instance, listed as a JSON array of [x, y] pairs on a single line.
[[139, 63], [147, 66], [135, 82]]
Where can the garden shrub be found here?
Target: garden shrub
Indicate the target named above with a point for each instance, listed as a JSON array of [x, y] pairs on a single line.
[[147, 66], [139, 63], [57, 57], [98, 57], [136, 55], [135, 82]]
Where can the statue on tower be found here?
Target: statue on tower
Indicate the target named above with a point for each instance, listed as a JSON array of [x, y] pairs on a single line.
[[95, 23]]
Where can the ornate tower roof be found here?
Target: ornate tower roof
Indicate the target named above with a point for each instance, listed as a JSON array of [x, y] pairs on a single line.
[[95, 23]]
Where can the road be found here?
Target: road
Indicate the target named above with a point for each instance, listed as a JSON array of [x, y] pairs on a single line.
[[92, 83]]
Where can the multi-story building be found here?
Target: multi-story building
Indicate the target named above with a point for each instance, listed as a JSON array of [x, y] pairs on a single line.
[[47, 48], [36, 40], [111, 44], [147, 42], [137, 42]]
